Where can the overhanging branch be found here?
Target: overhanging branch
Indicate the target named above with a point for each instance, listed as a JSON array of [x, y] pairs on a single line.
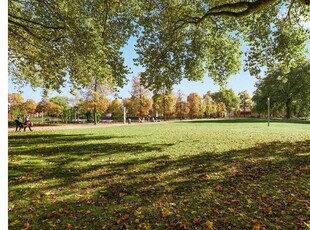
[[238, 9], [36, 23]]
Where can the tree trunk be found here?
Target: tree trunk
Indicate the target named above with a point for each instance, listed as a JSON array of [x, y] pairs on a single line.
[[243, 109], [140, 101], [164, 102], [95, 107], [288, 107], [87, 116], [164, 107], [94, 114]]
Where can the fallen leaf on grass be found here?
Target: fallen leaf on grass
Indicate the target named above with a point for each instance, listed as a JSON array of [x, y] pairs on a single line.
[[208, 176], [125, 217], [256, 226], [218, 212], [121, 194], [218, 188], [209, 225], [234, 201], [166, 213], [233, 173], [177, 225], [118, 221], [26, 225], [196, 220], [54, 214], [122, 219], [115, 212], [95, 184]]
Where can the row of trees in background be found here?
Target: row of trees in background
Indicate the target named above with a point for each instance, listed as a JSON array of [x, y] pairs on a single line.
[[164, 103], [289, 95], [141, 104]]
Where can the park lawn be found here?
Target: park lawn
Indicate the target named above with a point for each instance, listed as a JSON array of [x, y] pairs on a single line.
[[235, 174]]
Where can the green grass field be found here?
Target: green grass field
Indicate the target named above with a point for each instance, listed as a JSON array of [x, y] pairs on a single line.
[[231, 174]]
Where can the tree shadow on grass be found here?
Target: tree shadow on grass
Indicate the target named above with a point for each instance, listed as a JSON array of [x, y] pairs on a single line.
[[34, 139], [55, 153], [69, 162], [261, 182], [265, 184]]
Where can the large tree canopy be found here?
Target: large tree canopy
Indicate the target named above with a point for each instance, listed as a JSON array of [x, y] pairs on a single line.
[[289, 92], [176, 39], [228, 97], [49, 40], [186, 39]]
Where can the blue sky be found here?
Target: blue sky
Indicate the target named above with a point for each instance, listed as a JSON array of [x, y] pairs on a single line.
[[239, 82]]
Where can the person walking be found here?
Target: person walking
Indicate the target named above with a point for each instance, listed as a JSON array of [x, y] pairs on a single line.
[[19, 125], [27, 123]]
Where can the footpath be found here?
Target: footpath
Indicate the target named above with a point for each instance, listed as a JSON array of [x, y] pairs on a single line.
[[77, 126]]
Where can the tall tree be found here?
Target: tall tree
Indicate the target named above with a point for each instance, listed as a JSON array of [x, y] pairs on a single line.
[[76, 104], [194, 105], [131, 106], [115, 108], [15, 101], [140, 103], [287, 91], [164, 103], [29, 106], [221, 109], [61, 101], [181, 106], [245, 101], [229, 98], [15, 98], [96, 99], [210, 105], [42, 106], [53, 109]]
